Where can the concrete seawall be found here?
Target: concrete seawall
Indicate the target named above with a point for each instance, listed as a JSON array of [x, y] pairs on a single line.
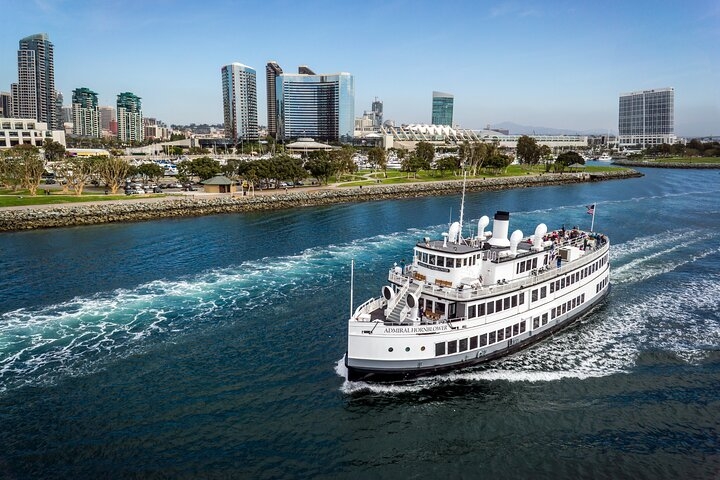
[[131, 211]]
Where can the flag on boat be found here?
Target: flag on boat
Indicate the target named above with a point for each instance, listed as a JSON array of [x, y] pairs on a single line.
[[591, 209]]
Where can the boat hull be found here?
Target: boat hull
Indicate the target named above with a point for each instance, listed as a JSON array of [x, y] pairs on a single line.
[[358, 373]]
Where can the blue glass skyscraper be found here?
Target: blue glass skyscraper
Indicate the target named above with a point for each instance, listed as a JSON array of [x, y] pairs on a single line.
[[317, 106], [442, 109]]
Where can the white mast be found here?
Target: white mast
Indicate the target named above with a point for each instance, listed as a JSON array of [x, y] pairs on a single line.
[[352, 277], [462, 204], [592, 222]]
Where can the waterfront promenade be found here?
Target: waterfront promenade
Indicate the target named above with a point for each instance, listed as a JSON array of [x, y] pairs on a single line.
[[196, 203]]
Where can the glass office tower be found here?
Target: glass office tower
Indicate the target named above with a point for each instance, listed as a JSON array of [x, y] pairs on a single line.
[[442, 109], [647, 117], [317, 106]]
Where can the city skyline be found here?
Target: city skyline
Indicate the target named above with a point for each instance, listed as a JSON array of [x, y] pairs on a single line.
[[560, 65]]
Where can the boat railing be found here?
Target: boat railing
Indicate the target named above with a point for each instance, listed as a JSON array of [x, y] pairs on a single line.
[[468, 292], [368, 306]]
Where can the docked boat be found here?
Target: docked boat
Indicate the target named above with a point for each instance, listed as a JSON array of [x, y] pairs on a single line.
[[465, 300], [605, 157]]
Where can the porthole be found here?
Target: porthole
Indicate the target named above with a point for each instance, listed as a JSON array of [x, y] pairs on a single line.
[[422, 349], [390, 349], [407, 349]]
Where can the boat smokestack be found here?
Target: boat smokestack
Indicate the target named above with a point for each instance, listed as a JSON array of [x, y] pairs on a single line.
[[501, 222]]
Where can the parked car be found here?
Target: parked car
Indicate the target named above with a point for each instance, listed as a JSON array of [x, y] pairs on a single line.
[[157, 190], [134, 191]]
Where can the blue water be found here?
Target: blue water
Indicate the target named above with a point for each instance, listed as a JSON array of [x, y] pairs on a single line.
[[211, 347]]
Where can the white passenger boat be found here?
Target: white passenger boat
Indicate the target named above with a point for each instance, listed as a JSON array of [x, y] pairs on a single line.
[[605, 157], [468, 300]]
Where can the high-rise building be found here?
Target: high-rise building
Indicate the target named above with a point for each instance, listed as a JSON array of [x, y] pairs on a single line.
[[377, 110], [34, 94], [442, 108], [6, 108], [129, 118], [647, 117], [272, 70], [86, 115], [318, 106], [305, 70], [107, 115], [239, 87]]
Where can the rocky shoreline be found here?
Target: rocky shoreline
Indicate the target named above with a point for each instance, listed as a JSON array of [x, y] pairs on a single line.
[[653, 164], [131, 211]]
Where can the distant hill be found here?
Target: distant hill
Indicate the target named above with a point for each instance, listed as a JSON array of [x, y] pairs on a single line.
[[516, 129]]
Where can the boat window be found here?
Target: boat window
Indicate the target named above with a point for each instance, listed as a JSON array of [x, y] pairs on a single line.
[[506, 303], [471, 311], [473, 343], [439, 308], [527, 264], [508, 332], [536, 322], [553, 312], [582, 298], [465, 262], [514, 300], [522, 326], [543, 292], [439, 349], [491, 338], [544, 318], [481, 310], [483, 340], [552, 287], [431, 260], [458, 262], [490, 308], [500, 335], [522, 298], [534, 296], [516, 329], [425, 257], [452, 347], [498, 305], [463, 345], [520, 267], [534, 262]]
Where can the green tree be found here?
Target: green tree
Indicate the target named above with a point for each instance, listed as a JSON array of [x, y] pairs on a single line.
[[203, 168], [54, 151], [342, 160], [320, 166], [425, 152], [447, 164], [78, 172], [377, 158], [528, 151], [414, 163], [113, 171], [566, 159], [22, 165], [151, 171]]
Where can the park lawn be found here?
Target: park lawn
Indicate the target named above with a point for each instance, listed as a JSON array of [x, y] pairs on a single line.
[[395, 177], [8, 198], [710, 160]]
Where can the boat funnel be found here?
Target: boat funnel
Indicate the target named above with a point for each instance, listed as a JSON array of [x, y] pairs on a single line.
[[515, 238], [500, 230]]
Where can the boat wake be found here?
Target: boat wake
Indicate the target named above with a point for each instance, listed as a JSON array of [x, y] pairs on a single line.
[[681, 319]]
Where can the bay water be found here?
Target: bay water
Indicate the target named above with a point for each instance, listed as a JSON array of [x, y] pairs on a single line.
[[212, 347]]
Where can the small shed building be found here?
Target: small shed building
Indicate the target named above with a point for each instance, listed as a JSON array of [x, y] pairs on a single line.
[[219, 184]]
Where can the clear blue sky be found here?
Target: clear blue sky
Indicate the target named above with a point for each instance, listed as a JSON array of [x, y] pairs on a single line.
[[556, 64]]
